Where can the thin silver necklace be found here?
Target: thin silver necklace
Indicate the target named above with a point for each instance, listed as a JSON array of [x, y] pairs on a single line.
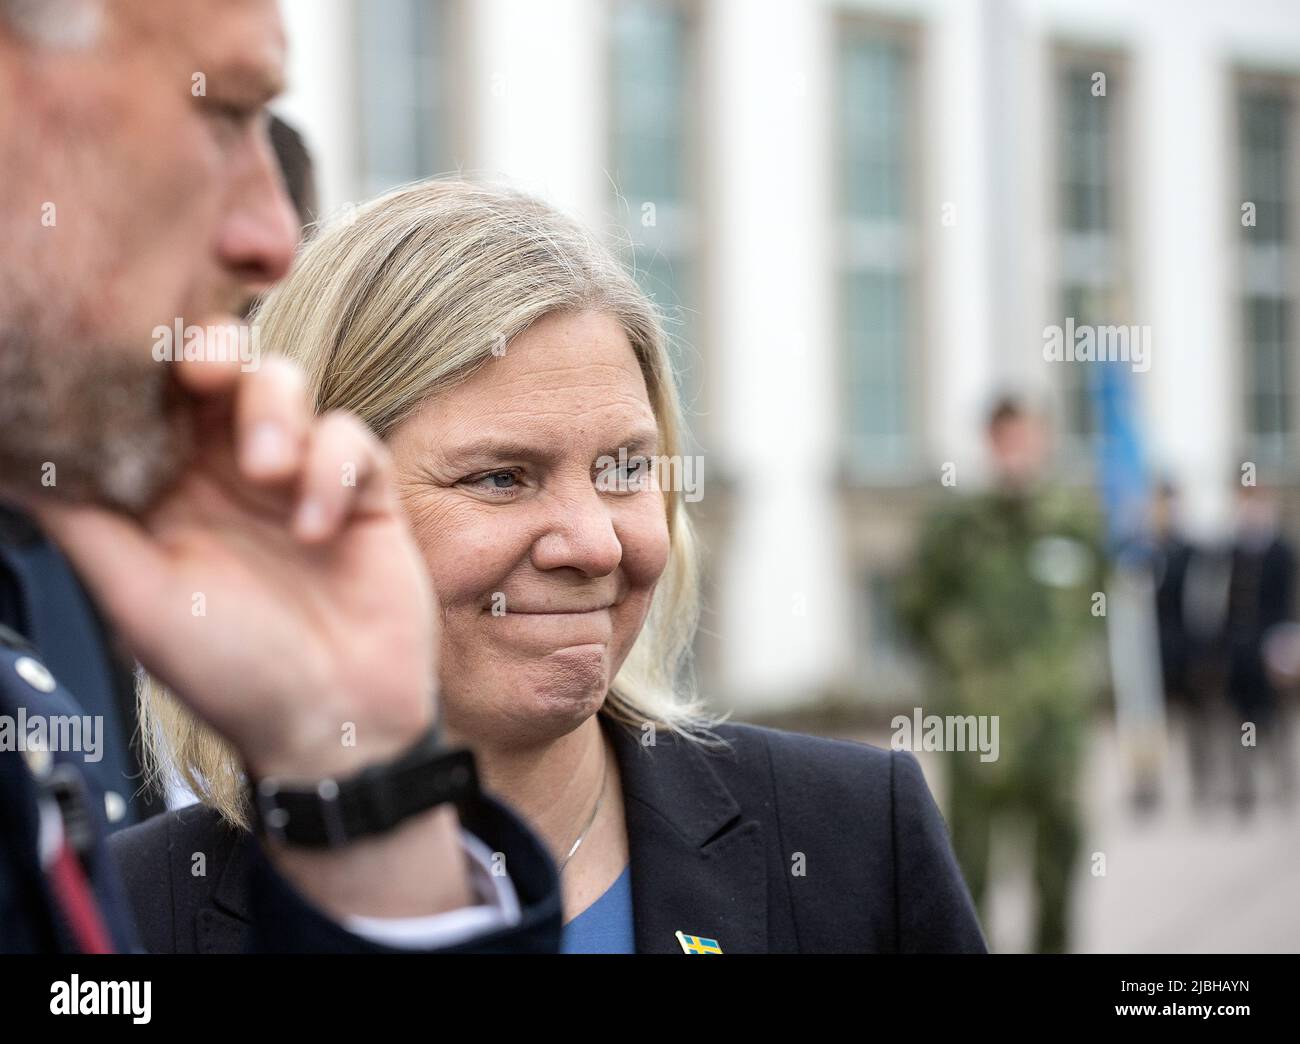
[[600, 798]]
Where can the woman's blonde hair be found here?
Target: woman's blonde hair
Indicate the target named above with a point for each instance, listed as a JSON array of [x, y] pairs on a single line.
[[401, 299]]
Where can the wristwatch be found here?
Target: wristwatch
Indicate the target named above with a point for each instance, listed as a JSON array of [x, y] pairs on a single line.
[[336, 812]]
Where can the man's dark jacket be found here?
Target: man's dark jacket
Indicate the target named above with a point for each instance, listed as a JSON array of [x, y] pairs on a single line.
[[30, 918], [783, 843]]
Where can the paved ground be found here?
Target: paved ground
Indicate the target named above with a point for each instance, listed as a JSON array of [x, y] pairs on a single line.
[[1177, 880]]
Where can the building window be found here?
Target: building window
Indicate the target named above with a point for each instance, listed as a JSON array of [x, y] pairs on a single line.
[[885, 656], [877, 244], [653, 198], [1265, 119], [404, 115], [1093, 283]]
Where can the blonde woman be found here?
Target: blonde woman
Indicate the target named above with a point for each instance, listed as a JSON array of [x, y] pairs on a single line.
[[521, 380]]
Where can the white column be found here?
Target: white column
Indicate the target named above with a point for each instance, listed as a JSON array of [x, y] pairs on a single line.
[[536, 84], [321, 99], [1182, 220], [961, 353], [783, 614]]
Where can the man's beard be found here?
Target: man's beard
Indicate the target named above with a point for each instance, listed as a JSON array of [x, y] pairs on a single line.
[[87, 415], [84, 422]]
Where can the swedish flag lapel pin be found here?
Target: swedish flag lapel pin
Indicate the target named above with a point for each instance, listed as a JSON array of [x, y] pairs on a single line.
[[696, 944]]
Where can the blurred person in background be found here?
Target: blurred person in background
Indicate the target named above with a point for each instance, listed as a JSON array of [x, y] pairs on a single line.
[[1170, 555], [1149, 569], [1000, 601], [523, 382], [1261, 592], [299, 172], [1204, 608]]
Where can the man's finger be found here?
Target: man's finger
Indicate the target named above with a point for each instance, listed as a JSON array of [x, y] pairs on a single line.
[[272, 418], [346, 471]]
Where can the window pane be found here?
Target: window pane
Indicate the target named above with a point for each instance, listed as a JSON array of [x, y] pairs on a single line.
[[1265, 117], [877, 233], [400, 91], [1090, 261], [1087, 305], [1269, 376], [1086, 150], [1265, 112], [651, 120], [649, 102], [876, 322], [872, 91]]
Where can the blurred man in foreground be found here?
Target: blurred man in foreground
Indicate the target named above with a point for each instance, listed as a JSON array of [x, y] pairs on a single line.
[[253, 556]]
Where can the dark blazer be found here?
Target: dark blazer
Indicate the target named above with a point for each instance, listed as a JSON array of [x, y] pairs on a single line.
[[1260, 596], [42, 600], [31, 919], [783, 844]]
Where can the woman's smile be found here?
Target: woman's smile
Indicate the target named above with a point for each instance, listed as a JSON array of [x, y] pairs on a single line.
[[552, 629]]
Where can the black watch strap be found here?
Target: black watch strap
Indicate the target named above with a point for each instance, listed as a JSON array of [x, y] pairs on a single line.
[[336, 812]]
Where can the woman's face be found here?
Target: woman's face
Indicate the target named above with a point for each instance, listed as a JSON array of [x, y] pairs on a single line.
[[544, 571]]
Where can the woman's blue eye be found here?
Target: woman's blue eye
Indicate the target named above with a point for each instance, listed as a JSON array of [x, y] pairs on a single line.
[[638, 469], [628, 476], [495, 480]]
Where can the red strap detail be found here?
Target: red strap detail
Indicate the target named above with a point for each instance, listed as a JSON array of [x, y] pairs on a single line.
[[78, 903]]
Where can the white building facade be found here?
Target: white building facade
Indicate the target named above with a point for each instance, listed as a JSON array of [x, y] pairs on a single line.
[[861, 216]]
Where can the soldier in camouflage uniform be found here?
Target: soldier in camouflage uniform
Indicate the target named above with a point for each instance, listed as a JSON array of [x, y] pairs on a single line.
[[1001, 602]]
